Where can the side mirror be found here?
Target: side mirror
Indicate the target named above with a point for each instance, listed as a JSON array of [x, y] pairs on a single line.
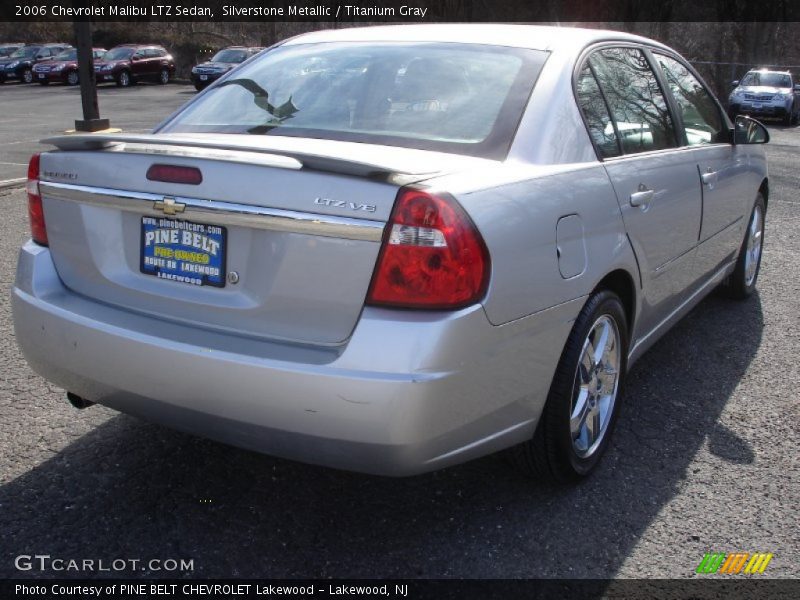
[[735, 82], [749, 131]]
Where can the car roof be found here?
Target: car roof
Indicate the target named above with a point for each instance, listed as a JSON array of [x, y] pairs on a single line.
[[535, 37]]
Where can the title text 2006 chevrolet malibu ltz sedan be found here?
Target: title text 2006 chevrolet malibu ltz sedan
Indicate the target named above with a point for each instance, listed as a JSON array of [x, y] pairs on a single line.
[[394, 249]]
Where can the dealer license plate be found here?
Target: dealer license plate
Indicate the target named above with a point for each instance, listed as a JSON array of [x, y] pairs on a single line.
[[183, 251], [203, 77]]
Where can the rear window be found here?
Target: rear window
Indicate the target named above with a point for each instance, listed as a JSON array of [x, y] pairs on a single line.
[[118, 54], [460, 98], [230, 56], [67, 55]]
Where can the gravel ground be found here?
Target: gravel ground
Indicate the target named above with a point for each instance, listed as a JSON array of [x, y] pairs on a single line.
[[704, 460]]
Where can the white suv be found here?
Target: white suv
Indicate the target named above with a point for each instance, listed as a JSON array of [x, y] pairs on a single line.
[[766, 93]]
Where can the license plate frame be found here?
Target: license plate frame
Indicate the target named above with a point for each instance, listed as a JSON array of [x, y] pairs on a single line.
[[174, 252], [203, 77]]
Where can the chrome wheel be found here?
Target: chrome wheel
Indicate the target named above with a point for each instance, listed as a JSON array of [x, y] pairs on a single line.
[[595, 388], [27, 76], [124, 79], [752, 256]]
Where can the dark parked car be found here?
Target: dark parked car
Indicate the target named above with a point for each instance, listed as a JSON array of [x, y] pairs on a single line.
[[63, 68], [19, 64], [223, 61], [8, 49], [129, 63]]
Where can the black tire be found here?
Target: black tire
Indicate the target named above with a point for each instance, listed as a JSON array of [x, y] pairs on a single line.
[[199, 87], [26, 76], [73, 78], [739, 285], [551, 454], [163, 76], [124, 79]]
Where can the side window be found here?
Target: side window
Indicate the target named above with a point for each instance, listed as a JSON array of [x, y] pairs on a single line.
[[701, 119], [635, 99], [595, 111]]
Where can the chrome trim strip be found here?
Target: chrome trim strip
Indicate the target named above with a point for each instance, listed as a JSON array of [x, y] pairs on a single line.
[[219, 213]]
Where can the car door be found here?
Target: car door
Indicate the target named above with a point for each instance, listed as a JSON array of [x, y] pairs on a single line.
[[655, 180], [139, 64], [720, 165]]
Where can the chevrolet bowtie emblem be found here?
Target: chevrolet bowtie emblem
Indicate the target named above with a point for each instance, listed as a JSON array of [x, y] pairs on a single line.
[[169, 206]]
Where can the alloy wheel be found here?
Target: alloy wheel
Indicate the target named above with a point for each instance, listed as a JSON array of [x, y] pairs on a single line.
[[755, 236], [596, 386]]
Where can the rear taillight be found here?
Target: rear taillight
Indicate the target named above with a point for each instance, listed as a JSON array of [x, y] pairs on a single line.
[[432, 256], [35, 210], [175, 174]]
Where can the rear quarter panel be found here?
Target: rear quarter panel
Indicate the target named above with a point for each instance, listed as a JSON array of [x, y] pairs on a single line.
[[517, 210]]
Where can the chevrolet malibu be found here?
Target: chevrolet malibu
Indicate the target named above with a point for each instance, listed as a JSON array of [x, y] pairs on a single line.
[[395, 249]]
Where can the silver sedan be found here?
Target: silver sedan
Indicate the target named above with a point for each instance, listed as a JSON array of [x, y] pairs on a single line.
[[394, 249]]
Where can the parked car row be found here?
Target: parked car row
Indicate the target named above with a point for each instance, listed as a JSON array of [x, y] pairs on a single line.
[[58, 63], [124, 65], [19, 63]]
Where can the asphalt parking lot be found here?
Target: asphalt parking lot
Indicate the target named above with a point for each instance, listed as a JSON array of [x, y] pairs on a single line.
[[31, 112], [704, 459]]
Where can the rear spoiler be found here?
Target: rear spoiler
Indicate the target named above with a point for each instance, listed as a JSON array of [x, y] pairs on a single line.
[[236, 152]]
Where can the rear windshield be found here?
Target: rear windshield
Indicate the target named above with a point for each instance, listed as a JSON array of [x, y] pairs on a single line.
[[118, 54], [67, 55], [767, 79], [26, 51], [460, 98], [230, 56]]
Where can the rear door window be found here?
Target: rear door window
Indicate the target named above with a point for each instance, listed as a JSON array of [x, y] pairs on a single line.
[[635, 99], [595, 112]]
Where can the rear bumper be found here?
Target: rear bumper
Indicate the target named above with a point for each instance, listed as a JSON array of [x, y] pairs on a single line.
[[408, 393]]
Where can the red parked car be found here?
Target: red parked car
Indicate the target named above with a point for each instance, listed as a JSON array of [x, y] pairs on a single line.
[[63, 68], [129, 63]]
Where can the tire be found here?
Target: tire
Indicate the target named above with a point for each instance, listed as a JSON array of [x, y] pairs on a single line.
[[787, 119], [73, 78], [27, 76], [44, 83], [742, 282], [163, 76], [124, 79], [199, 87], [556, 451]]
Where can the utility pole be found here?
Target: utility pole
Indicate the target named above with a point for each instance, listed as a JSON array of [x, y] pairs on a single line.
[[91, 112]]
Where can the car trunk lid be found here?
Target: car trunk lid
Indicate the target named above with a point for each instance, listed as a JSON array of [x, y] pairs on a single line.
[[296, 228]]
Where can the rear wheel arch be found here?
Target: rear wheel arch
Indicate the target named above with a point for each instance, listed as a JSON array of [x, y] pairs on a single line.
[[622, 283], [764, 189]]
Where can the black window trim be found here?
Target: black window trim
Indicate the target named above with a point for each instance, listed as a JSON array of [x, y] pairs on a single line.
[[723, 115], [647, 49]]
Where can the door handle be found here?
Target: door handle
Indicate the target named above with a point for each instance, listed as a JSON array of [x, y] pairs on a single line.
[[643, 197], [709, 177]]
